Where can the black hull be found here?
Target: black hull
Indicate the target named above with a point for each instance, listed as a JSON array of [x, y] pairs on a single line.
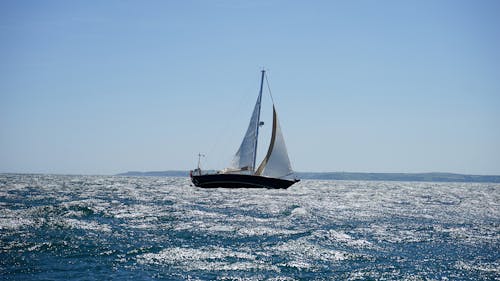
[[240, 181]]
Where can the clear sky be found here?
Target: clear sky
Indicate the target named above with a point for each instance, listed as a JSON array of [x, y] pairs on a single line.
[[102, 87]]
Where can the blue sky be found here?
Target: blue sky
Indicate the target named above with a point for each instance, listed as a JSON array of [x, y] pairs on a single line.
[[101, 87]]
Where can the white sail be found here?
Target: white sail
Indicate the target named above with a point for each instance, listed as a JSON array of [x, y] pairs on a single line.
[[244, 159], [276, 164]]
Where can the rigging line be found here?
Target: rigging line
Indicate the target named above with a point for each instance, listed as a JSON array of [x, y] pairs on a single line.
[[269, 88]]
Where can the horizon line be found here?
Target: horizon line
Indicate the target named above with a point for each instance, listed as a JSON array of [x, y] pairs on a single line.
[[187, 171]]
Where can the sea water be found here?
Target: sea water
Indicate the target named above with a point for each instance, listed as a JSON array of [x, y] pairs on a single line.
[[151, 228]]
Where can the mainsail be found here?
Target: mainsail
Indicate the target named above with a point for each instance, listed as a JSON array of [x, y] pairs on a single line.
[[244, 159], [276, 164]]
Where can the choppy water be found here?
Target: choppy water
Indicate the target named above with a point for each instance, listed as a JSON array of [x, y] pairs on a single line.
[[101, 228]]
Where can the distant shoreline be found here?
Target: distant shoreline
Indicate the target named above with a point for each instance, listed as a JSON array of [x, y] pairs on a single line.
[[424, 177]]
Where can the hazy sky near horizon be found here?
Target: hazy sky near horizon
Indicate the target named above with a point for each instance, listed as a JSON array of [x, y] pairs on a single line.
[[102, 87]]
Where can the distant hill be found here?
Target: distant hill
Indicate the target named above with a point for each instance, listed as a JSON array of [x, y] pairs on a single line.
[[156, 174], [427, 177], [434, 177]]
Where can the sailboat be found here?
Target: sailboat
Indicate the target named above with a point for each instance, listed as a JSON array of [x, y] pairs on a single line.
[[273, 172]]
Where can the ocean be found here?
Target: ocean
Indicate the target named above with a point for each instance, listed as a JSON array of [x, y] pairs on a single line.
[[56, 227]]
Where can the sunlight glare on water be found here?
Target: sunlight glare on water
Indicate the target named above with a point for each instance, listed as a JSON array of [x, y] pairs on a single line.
[[146, 228]]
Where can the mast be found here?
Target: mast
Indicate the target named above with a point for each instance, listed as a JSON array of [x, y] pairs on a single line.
[[258, 120]]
